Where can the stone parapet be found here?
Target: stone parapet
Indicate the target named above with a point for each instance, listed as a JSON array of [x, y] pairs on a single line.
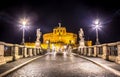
[[95, 51], [118, 57], [105, 52], [15, 55], [2, 58], [38, 52], [34, 51], [89, 51], [25, 52], [30, 52]]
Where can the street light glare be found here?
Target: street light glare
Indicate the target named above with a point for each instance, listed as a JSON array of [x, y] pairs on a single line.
[[97, 24], [24, 21], [97, 21], [24, 25]]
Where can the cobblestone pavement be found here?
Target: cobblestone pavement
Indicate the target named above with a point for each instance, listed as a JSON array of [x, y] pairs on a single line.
[[105, 62], [13, 64], [61, 66]]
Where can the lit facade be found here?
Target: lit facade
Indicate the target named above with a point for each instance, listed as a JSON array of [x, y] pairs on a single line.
[[59, 35]]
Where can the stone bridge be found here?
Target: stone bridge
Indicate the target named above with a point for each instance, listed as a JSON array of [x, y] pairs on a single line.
[[10, 52], [82, 62], [108, 51]]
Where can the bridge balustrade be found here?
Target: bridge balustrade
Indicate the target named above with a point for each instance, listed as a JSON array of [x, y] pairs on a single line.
[[87, 51], [27, 53], [99, 51], [84, 51], [81, 51], [24, 52], [112, 51], [8, 52], [92, 50], [11, 52], [33, 51], [108, 51], [38, 51], [20, 51]]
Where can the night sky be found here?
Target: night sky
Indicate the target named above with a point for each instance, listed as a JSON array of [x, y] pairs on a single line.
[[46, 14]]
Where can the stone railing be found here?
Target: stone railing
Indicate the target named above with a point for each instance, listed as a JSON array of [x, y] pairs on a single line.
[[108, 51], [11, 52]]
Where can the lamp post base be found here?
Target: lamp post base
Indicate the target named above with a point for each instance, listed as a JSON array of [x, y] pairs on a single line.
[[97, 43]]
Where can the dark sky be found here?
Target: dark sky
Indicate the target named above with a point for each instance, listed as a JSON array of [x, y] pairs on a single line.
[[73, 14]]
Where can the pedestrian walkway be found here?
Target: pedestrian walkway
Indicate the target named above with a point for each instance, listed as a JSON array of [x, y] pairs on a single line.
[[111, 66], [105, 62], [10, 65]]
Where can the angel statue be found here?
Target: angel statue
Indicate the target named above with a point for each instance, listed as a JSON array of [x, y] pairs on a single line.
[[38, 34], [81, 34]]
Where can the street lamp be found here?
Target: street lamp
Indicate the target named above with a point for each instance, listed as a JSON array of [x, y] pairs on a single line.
[[48, 42], [97, 26], [24, 23]]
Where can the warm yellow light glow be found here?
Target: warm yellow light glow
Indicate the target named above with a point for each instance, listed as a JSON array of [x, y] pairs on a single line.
[[58, 40], [60, 35]]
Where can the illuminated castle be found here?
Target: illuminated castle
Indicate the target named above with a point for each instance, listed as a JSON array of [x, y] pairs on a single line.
[[58, 39], [59, 35]]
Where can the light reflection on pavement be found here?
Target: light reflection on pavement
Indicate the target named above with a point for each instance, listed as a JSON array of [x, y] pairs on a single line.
[[64, 65]]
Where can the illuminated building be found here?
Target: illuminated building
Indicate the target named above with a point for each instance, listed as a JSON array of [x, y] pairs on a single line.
[[58, 39], [59, 35]]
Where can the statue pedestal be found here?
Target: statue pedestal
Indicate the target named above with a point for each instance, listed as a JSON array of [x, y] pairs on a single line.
[[81, 46], [37, 44], [81, 43]]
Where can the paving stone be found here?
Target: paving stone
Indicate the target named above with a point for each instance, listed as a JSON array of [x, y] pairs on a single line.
[[61, 66]]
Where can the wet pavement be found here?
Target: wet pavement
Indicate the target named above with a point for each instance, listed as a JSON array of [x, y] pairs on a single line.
[[106, 62], [61, 66], [13, 64]]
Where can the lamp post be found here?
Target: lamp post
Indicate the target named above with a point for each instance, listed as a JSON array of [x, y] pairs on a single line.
[[97, 26], [48, 48], [23, 23]]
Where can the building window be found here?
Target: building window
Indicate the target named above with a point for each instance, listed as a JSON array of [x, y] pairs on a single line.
[[63, 31], [55, 31]]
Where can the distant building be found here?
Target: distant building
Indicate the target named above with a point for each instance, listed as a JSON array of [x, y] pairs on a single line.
[[58, 39], [59, 35]]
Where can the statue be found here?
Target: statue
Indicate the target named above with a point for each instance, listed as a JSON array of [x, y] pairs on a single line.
[[81, 36], [38, 34]]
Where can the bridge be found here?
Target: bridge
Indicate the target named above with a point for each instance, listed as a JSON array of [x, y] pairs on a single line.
[[90, 61]]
